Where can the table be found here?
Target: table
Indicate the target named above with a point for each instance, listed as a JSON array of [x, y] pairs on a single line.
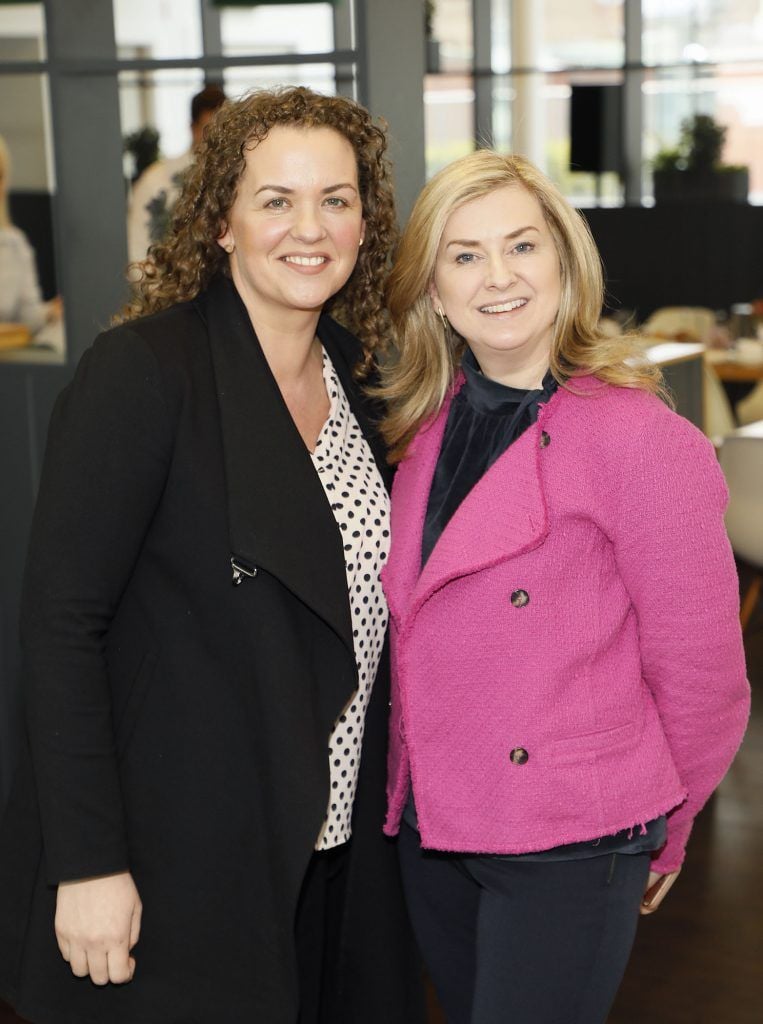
[[738, 367], [14, 336], [734, 371]]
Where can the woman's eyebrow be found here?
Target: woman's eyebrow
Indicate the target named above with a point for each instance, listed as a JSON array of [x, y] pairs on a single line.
[[474, 241], [283, 190]]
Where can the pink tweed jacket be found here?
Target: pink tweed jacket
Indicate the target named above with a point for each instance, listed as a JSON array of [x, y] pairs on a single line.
[[569, 663]]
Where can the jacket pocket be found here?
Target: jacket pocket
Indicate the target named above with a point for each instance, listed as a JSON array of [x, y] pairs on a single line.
[[590, 745], [127, 717]]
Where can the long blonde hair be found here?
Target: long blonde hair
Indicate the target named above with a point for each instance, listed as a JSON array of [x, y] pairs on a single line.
[[416, 383], [183, 264], [5, 173]]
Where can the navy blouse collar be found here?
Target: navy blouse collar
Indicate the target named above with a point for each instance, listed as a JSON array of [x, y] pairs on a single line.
[[489, 396]]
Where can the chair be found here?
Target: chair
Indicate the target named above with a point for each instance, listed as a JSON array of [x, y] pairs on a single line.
[[750, 408], [718, 418], [741, 458], [681, 323]]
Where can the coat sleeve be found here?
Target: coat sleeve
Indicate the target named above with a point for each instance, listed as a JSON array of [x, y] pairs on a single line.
[[677, 566], [106, 462]]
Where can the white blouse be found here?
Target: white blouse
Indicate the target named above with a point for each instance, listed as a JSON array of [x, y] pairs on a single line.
[[359, 501], [20, 298]]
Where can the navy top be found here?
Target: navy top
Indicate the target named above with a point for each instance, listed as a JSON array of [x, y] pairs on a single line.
[[484, 419]]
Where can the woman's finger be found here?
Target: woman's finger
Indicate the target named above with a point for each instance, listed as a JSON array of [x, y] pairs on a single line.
[[97, 966], [78, 961], [120, 965]]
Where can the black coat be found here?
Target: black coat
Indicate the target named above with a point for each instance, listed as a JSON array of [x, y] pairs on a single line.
[[179, 723]]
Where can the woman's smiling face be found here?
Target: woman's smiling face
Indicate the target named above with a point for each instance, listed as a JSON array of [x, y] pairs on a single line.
[[296, 223], [497, 278]]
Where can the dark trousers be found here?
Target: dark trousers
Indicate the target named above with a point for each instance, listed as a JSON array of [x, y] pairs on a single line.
[[523, 942], [317, 930]]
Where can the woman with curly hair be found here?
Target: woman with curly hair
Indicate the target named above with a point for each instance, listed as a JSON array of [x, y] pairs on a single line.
[[195, 835], [568, 672]]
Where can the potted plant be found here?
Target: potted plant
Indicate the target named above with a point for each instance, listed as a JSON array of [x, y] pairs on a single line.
[[693, 170], [143, 147]]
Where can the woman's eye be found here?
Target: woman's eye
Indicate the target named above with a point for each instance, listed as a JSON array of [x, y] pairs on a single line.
[[465, 257], [336, 201], [277, 203], [521, 247]]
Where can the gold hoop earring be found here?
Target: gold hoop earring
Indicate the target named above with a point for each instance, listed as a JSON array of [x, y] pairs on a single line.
[[443, 319]]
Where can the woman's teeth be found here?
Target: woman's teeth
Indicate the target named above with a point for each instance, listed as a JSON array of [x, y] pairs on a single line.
[[504, 307]]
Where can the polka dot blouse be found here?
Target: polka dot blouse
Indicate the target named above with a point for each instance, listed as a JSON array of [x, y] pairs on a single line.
[[360, 504]]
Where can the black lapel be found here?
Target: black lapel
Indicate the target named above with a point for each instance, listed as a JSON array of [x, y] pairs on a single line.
[[278, 517]]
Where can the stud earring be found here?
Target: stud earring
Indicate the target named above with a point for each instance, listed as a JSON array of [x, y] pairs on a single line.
[[229, 248]]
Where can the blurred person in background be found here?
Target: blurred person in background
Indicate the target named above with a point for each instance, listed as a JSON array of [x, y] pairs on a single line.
[[21, 302], [154, 194]]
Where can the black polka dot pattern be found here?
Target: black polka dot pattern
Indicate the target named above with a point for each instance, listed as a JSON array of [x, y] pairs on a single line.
[[358, 499]]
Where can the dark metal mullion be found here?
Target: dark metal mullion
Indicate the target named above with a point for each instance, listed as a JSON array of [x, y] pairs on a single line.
[[482, 31], [111, 67], [90, 230], [356, 55]]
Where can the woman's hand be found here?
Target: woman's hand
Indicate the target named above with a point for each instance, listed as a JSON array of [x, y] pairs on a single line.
[[657, 887], [97, 924], [54, 310]]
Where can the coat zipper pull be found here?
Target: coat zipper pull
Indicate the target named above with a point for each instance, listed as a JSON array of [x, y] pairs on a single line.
[[240, 569]]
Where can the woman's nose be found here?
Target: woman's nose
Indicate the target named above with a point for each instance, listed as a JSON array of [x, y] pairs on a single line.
[[308, 226], [499, 272]]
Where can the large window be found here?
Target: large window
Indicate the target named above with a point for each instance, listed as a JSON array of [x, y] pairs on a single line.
[[671, 58]]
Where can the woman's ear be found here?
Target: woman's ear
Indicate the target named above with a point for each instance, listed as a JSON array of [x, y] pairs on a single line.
[[225, 240], [434, 296]]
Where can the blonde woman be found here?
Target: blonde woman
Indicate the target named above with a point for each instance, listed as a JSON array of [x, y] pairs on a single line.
[[21, 302], [568, 673]]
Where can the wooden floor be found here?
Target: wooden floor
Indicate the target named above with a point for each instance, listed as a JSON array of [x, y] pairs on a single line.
[[699, 960]]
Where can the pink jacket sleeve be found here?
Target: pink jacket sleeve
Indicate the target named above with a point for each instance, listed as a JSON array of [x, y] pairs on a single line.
[[676, 563]]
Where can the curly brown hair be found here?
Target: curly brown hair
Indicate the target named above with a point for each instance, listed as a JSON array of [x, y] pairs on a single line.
[[185, 261]]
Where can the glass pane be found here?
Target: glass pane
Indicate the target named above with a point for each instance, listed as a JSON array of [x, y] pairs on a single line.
[[733, 95], [449, 35], [555, 34], [31, 324], [576, 33], [500, 35], [22, 32], [448, 119], [147, 29], [701, 30], [277, 28], [320, 77]]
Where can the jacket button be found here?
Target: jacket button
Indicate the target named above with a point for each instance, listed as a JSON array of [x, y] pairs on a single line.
[[519, 756], [520, 598], [545, 439]]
